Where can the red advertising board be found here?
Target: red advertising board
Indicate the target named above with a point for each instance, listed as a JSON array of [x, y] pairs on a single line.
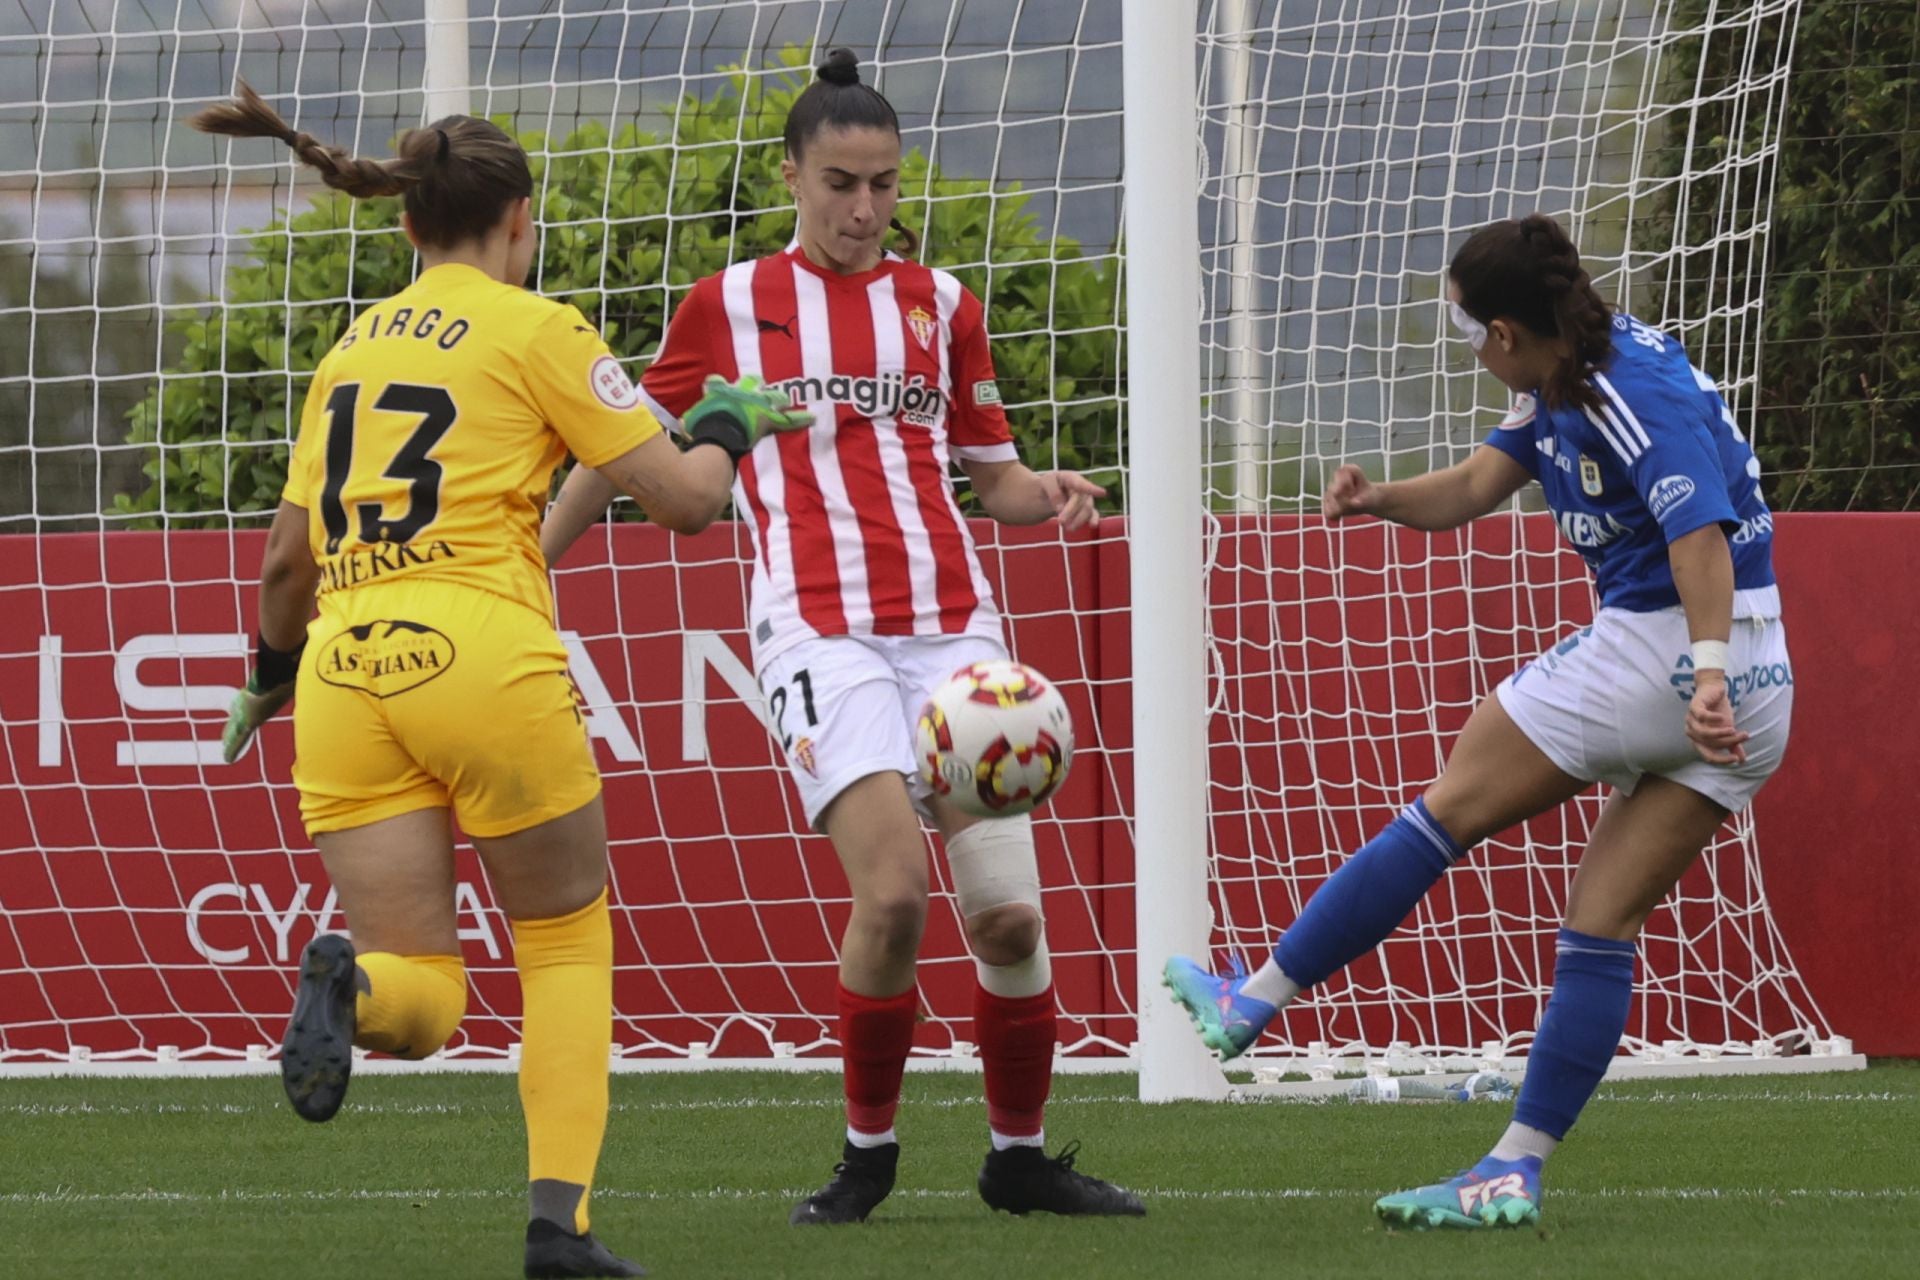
[[150, 895]]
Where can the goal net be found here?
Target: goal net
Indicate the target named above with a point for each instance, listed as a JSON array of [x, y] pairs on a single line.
[[1350, 150], [165, 296]]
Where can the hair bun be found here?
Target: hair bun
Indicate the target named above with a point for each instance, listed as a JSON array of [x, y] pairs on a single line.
[[1544, 234], [842, 67]]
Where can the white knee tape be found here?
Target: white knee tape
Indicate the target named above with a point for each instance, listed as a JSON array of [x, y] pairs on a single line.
[[993, 865], [1020, 979]]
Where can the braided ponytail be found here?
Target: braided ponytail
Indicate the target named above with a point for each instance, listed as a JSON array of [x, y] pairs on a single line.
[[249, 116], [458, 176], [1529, 270], [1579, 314]]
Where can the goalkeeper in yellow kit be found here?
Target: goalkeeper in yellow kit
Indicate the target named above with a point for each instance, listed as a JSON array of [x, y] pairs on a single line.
[[431, 681]]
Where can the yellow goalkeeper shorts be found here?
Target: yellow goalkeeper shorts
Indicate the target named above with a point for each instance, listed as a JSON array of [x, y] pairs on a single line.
[[418, 695]]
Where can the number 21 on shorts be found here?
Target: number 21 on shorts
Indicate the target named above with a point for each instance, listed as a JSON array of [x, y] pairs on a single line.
[[777, 705]]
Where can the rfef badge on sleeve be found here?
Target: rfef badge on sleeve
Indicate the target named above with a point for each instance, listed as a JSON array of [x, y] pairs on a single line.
[[611, 385], [1590, 483]]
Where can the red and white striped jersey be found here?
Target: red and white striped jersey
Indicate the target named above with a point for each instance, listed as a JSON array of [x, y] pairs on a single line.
[[855, 526]]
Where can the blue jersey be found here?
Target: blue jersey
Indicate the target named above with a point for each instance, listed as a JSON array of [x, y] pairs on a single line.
[[1661, 457]]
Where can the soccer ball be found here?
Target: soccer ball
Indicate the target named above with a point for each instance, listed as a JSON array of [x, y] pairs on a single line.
[[995, 739]]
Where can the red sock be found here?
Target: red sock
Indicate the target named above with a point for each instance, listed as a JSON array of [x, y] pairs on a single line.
[[875, 1035], [1016, 1048]]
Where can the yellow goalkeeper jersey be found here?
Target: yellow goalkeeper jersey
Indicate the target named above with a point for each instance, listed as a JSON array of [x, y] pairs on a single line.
[[432, 429]]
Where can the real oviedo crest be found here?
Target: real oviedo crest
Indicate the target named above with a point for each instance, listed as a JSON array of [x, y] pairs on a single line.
[[1590, 482]]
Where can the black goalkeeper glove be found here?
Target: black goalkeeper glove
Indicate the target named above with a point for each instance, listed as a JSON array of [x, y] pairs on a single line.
[[268, 688], [737, 415]]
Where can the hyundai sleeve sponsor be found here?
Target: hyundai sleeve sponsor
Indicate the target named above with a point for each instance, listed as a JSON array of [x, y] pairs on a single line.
[[1758, 525]]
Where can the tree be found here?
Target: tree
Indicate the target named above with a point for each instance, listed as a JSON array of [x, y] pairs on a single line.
[[1837, 424], [630, 223]]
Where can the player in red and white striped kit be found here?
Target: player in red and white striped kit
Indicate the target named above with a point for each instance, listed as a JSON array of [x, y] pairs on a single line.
[[867, 593]]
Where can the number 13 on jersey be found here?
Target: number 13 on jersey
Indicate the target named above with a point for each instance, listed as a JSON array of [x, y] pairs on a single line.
[[410, 465]]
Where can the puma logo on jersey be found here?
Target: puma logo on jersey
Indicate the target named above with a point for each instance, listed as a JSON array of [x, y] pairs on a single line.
[[768, 326], [1476, 1194]]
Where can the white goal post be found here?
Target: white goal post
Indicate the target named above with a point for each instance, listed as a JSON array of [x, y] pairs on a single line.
[[1254, 692]]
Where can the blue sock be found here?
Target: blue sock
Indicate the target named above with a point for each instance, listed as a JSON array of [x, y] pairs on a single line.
[[1587, 1014], [1365, 900]]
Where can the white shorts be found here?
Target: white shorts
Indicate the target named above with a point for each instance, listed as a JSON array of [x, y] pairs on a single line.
[[1609, 703], [843, 707]]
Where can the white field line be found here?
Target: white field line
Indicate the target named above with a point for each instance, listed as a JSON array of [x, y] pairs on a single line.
[[72, 1196], [1604, 1098]]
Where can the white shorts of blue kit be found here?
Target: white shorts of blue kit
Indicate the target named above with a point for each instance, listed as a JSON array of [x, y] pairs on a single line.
[[1609, 703]]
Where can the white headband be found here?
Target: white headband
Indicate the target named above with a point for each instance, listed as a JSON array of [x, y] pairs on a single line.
[[1472, 330]]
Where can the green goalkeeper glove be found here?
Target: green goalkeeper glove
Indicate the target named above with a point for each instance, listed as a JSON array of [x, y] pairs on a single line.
[[738, 415], [268, 689]]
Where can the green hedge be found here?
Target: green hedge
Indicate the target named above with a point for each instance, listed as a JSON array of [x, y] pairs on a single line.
[[630, 224], [1837, 424]]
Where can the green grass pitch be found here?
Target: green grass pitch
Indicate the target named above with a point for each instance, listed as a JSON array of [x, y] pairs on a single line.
[[420, 1176]]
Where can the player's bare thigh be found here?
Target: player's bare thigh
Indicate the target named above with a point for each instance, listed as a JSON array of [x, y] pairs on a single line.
[[1640, 848], [395, 881], [1495, 777], [395, 877], [876, 834], [551, 869]]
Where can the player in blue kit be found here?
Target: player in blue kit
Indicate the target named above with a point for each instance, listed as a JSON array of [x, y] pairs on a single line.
[[1649, 478]]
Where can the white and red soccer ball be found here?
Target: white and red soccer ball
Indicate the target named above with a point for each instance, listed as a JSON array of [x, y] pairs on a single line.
[[996, 739]]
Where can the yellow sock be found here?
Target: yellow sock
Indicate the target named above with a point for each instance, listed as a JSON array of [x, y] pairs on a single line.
[[566, 986], [411, 1005]]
